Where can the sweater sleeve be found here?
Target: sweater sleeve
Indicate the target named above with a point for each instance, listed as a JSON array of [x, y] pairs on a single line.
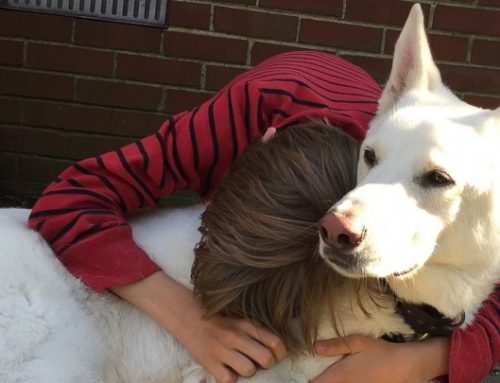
[[81, 213], [475, 350]]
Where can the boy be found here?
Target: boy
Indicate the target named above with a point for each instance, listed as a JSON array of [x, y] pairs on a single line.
[[81, 213]]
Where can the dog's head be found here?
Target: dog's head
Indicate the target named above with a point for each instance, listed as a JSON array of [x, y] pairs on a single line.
[[426, 194], [258, 257]]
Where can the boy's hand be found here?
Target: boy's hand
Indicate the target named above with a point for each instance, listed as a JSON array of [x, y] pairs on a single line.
[[225, 347], [374, 360], [228, 347]]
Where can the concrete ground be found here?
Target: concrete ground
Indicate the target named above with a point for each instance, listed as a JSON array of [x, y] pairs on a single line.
[[494, 377]]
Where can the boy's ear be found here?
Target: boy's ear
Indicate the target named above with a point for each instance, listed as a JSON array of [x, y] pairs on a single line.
[[412, 65], [268, 134]]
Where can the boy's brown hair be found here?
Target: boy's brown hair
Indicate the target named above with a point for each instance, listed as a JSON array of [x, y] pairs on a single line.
[[258, 257]]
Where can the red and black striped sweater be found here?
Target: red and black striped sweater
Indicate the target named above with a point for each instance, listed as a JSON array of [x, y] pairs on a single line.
[[81, 214]]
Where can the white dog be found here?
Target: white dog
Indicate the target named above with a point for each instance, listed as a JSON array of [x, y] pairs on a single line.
[[424, 216]]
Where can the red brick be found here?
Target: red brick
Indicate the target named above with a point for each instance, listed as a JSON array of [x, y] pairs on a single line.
[[19, 194], [152, 69], [135, 124], [246, 2], [213, 48], [69, 59], [493, 3], [180, 100], [8, 166], [118, 36], [79, 146], [255, 24], [262, 51], [33, 84], [189, 15], [218, 76], [471, 79], [378, 68], [118, 94], [90, 119], [11, 52], [489, 102], [35, 26], [468, 20], [10, 110], [450, 48], [388, 12], [20, 139], [338, 35], [40, 169], [486, 52], [318, 7], [55, 144]]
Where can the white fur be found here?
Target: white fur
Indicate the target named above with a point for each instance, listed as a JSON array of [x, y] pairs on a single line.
[[53, 329]]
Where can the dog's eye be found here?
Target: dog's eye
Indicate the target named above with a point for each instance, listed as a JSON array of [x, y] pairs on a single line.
[[437, 178], [370, 157]]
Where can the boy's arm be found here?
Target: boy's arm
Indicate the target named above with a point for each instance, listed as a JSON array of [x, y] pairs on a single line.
[[219, 344], [475, 350], [81, 213], [375, 360], [466, 358]]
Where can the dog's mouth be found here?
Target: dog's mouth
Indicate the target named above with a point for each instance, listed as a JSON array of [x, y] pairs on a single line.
[[344, 262], [355, 264], [405, 272]]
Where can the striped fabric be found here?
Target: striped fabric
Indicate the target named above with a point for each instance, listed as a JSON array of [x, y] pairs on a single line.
[[81, 212], [476, 350]]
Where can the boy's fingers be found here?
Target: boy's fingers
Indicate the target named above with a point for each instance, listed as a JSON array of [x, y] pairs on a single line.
[[331, 347], [267, 338], [240, 363], [222, 374], [256, 351], [340, 346]]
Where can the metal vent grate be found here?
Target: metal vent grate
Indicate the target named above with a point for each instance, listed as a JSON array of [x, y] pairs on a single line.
[[151, 12]]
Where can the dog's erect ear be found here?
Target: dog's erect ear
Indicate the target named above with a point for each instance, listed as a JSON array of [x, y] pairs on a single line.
[[412, 66]]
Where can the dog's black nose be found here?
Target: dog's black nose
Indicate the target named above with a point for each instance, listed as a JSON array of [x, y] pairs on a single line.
[[339, 231]]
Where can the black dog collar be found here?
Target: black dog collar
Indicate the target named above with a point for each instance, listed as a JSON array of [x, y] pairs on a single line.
[[425, 321]]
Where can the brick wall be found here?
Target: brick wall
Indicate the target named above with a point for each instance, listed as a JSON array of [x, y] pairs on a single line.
[[71, 88]]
